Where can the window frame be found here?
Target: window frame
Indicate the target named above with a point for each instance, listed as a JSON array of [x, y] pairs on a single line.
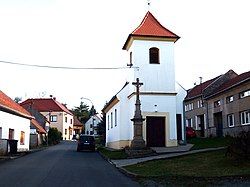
[[111, 120], [228, 99], [154, 55], [217, 103], [244, 94], [229, 120], [53, 118], [115, 117], [245, 117], [22, 138]]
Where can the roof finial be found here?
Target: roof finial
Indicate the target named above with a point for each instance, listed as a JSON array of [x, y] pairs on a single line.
[[149, 3]]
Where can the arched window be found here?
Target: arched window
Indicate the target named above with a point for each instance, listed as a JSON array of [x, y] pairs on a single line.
[[154, 56]]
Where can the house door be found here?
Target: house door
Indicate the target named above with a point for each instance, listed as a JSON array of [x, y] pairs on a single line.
[[218, 124], [202, 125], [155, 131], [179, 126]]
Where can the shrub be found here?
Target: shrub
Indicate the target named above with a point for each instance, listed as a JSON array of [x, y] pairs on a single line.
[[54, 136], [239, 149]]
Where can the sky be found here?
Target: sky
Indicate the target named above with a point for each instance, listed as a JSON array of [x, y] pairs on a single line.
[[79, 33]]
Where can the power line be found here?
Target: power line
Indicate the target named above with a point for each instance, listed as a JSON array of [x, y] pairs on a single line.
[[60, 67]]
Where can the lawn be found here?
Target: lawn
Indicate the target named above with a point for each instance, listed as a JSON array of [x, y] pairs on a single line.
[[202, 143], [209, 164], [116, 154]]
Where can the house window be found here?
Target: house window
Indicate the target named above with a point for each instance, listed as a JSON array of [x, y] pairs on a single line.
[[130, 58], [217, 103], [244, 94], [189, 107], [230, 99], [200, 103], [230, 120], [245, 117], [108, 122], [53, 118], [0, 132], [65, 131], [66, 119], [22, 138], [111, 120], [154, 56], [71, 121], [11, 134], [189, 122], [115, 117]]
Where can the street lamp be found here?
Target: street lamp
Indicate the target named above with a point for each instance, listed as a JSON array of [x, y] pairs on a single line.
[[92, 111]]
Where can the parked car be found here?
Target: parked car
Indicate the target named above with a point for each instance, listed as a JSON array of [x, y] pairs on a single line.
[[190, 132], [86, 142]]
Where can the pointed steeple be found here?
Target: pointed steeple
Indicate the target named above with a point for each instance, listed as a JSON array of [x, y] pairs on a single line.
[[150, 27]]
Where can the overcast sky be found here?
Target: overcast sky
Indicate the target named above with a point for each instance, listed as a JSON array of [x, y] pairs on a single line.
[[78, 33]]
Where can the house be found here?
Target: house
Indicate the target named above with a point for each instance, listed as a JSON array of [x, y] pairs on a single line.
[[38, 127], [151, 50], [220, 106], [15, 122], [56, 113], [92, 124], [77, 126], [37, 134]]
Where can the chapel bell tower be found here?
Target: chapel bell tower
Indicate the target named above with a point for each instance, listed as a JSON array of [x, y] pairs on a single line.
[[151, 49]]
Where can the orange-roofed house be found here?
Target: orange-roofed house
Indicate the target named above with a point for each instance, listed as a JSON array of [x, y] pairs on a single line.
[[14, 124], [56, 113]]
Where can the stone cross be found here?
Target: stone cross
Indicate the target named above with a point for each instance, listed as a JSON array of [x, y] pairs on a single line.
[[137, 142]]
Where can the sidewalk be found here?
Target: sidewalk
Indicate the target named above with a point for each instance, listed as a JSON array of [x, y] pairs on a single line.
[[127, 162], [20, 154]]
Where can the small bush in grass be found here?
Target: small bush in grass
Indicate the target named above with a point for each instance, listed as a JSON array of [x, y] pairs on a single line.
[[239, 149], [54, 136]]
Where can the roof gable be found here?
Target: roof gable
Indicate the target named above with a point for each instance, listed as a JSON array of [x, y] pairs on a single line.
[[151, 27], [7, 104]]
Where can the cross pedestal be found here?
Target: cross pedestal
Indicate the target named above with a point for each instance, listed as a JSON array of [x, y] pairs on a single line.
[[138, 147]]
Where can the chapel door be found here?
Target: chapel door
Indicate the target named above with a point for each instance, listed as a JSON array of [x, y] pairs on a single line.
[[155, 131]]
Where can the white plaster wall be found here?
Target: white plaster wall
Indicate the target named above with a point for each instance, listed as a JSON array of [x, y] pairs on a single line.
[[89, 122], [10, 121], [156, 77]]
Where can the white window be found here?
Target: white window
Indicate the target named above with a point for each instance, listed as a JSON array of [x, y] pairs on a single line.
[[189, 107], [230, 120], [230, 99], [200, 103], [244, 94], [53, 118], [217, 103], [0, 132], [115, 117], [245, 117], [189, 122]]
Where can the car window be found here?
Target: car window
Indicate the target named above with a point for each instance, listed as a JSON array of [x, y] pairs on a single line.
[[86, 138]]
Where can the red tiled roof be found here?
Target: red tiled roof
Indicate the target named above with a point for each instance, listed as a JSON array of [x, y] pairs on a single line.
[[46, 105], [233, 82], [196, 91], [8, 104], [151, 27], [77, 122], [39, 128]]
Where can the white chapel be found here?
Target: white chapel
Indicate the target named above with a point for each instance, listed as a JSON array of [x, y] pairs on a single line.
[[151, 50]]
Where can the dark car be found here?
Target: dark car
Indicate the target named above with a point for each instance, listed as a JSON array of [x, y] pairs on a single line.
[[190, 132], [86, 142]]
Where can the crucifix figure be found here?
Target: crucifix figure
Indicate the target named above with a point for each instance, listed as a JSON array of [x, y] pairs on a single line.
[[137, 142]]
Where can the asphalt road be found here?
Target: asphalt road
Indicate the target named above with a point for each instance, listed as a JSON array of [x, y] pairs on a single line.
[[61, 165]]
